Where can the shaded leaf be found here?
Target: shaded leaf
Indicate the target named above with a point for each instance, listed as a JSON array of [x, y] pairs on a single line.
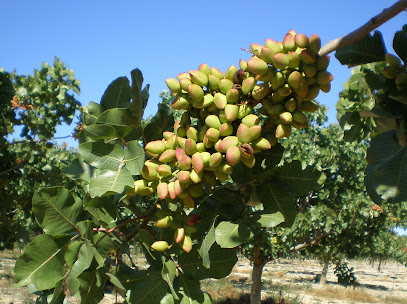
[[100, 131], [162, 121], [368, 49], [151, 290], [139, 102], [400, 45], [206, 245], [117, 118], [78, 169], [134, 157], [91, 287], [117, 94], [82, 263], [103, 209]]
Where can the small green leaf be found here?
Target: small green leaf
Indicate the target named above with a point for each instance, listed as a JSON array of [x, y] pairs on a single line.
[[231, 235], [368, 49], [168, 273], [117, 94], [206, 245], [139, 102], [271, 220]]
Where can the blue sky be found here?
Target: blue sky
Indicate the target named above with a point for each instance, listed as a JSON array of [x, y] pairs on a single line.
[[103, 40]]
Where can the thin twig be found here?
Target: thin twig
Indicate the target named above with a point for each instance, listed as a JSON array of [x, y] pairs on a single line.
[[365, 29]]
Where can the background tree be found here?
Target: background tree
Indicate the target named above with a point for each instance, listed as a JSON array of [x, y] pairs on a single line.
[[33, 105]]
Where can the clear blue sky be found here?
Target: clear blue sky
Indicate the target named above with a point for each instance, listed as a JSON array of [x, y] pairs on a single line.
[[102, 40]]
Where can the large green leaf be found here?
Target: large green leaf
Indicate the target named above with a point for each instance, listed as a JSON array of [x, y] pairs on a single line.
[[301, 181], [101, 155], [231, 235], [386, 173], [57, 210], [151, 290], [168, 273], [134, 157], [117, 118], [275, 197], [271, 220], [368, 49], [191, 292], [222, 262], [162, 121], [100, 131], [108, 182], [42, 263], [117, 94]]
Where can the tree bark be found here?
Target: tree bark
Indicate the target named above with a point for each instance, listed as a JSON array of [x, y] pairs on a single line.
[[324, 273], [255, 293]]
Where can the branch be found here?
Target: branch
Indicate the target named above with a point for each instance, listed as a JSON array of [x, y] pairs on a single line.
[[310, 242], [365, 29]]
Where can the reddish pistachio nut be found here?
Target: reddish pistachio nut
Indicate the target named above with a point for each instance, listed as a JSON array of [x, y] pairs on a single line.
[[187, 243], [243, 133], [195, 91], [197, 162], [281, 61], [179, 153], [185, 163], [171, 190], [289, 43], [301, 41], [308, 57], [213, 134], [233, 155], [167, 156], [257, 66], [179, 235], [226, 129], [246, 150], [190, 146], [314, 43], [232, 96], [227, 142], [162, 190], [184, 177]]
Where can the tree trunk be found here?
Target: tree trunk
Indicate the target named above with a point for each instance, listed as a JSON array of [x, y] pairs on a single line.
[[255, 293], [322, 281]]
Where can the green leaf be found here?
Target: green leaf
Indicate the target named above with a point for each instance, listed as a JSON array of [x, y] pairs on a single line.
[[71, 253], [117, 118], [162, 121], [168, 273], [301, 181], [108, 182], [134, 157], [387, 170], [271, 220], [42, 263], [222, 262], [191, 292], [138, 103], [101, 155], [83, 262], [151, 290], [103, 209], [100, 131], [90, 287], [115, 281], [231, 235], [117, 94], [57, 210], [368, 49], [78, 170], [129, 277], [400, 45], [206, 245], [276, 197]]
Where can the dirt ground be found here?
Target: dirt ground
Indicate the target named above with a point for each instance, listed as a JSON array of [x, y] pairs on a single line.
[[289, 278]]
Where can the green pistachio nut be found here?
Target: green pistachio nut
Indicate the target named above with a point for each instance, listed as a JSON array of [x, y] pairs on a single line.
[[173, 85], [197, 162], [390, 72], [167, 156], [190, 146], [283, 130], [160, 246], [196, 92], [257, 66], [231, 112], [225, 85], [255, 48], [295, 79], [309, 70], [260, 91], [322, 62], [289, 43], [299, 117], [281, 61], [227, 142], [213, 82], [274, 45], [324, 77], [244, 110], [393, 60], [212, 121], [220, 100], [255, 132], [164, 222], [243, 64], [199, 78], [221, 176], [155, 148], [261, 143], [309, 106], [308, 57], [148, 173], [182, 75], [326, 88], [294, 60], [226, 129], [232, 96], [164, 170], [171, 142], [215, 159], [205, 68], [290, 105], [184, 83], [218, 73], [196, 177], [183, 176], [196, 190], [314, 43], [230, 73], [267, 55], [185, 163], [248, 85], [251, 120]]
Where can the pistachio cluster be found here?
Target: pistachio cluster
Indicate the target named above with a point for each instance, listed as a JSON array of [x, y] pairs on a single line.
[[229, 117], [396, 71]]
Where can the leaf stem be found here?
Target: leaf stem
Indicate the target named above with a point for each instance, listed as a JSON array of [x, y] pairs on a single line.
[[365, 29]]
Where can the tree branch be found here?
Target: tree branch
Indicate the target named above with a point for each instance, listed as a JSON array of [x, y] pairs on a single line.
[[310, 242], [365, 29]]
